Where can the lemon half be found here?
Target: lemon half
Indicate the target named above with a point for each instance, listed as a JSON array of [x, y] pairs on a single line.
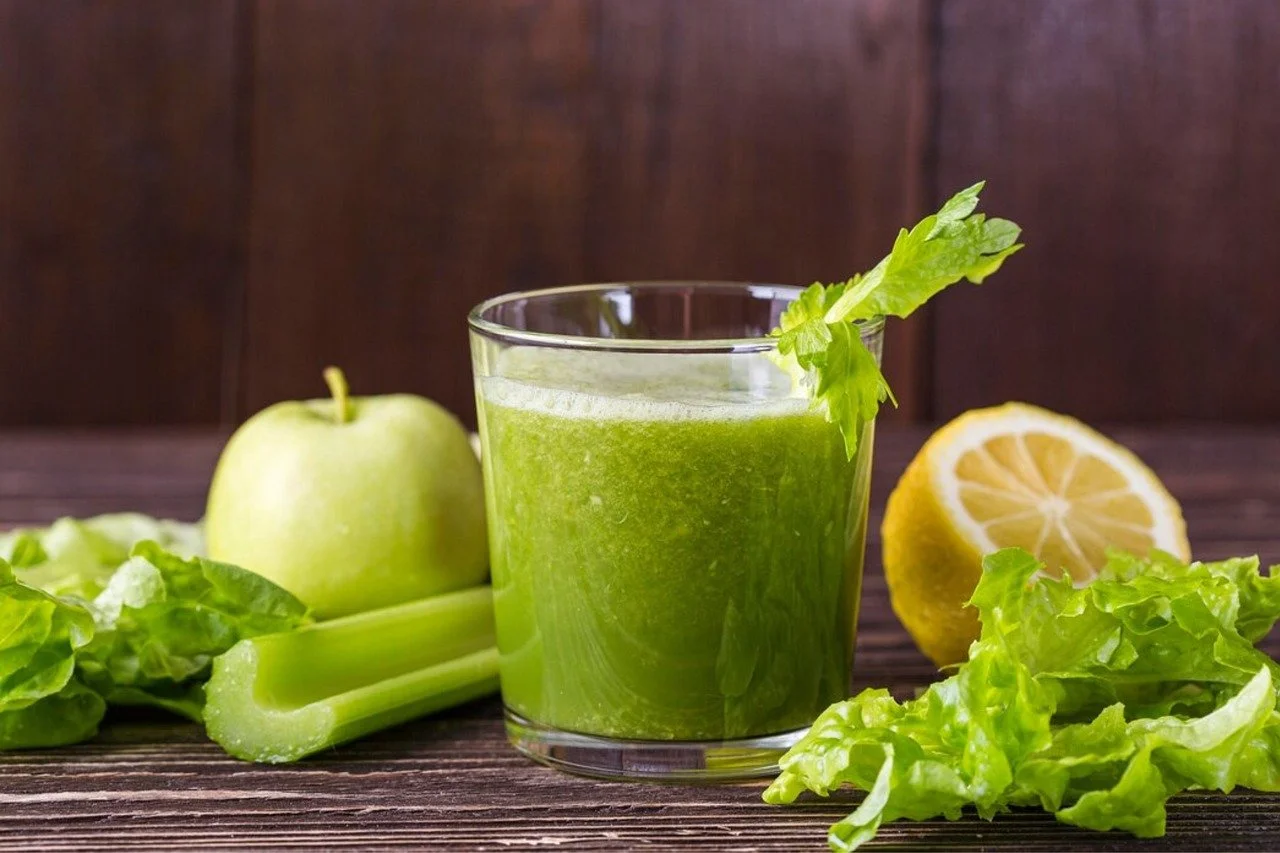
[[1005, 476]]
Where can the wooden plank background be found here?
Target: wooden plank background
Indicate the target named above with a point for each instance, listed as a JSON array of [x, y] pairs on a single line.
[[122, 204], [201, 204], [1135, 143]]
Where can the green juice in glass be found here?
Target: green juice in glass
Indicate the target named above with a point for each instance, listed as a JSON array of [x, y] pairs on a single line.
[[676, 544]]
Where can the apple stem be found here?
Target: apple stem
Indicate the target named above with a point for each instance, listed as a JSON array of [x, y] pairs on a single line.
[[337, 383]]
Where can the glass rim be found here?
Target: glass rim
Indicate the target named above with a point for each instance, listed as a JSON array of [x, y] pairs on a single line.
[[478, 323]]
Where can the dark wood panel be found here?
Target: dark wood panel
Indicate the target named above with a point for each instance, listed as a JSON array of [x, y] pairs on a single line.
[[1135, 143], [121, 250], [451, 782], [411, 158]]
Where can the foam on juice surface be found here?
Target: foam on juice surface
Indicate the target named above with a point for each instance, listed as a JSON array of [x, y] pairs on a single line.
[[642, 386]]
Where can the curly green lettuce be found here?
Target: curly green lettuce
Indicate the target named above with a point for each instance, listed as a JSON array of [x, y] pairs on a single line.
[[162, 619], [42, 701], [90, 616], [78, 556], [1095, 703]]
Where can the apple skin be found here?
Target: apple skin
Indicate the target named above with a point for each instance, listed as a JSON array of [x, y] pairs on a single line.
[[383, 508]]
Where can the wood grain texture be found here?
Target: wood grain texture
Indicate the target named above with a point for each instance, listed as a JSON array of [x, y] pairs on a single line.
[[1133, 141], [120, 210], [202, 204], [412, 158], [451, 782]]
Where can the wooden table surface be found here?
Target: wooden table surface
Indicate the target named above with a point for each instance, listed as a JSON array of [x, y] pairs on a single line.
[[451, 782]]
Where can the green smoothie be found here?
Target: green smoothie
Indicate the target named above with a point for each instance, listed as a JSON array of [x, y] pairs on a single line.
[[676, 544]]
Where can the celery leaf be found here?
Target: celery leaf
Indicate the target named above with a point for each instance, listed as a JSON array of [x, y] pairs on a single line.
[[820, 333]]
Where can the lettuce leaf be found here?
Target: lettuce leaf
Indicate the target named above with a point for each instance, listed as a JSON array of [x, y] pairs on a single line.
[[70, 715], [162, 619], [117, 610], [42, 703], [77, 557], [1095, 703]]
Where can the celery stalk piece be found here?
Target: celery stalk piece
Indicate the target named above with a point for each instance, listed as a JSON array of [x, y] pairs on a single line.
[[280, 697]]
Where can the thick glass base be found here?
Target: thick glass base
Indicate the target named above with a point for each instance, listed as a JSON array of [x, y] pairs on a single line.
[[682, 762]]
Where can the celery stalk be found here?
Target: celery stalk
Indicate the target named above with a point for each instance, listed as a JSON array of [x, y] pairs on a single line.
[[280, 697]]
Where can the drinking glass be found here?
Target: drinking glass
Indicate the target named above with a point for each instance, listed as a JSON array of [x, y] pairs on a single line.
[[676, 533]]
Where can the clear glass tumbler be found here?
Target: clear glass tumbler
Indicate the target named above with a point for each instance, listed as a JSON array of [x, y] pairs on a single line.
[[675, 531]]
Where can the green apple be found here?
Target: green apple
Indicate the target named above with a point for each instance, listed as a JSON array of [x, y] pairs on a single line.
[[351, 503]]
